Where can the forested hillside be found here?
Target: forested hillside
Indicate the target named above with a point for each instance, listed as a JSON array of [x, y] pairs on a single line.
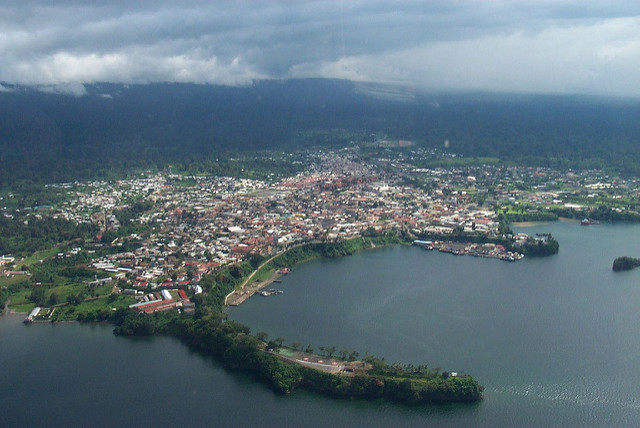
[[114, 129]]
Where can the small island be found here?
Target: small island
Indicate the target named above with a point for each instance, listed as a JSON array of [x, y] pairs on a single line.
[[625, 263]]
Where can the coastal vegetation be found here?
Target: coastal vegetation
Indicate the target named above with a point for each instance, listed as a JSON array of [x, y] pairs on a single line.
[[611, 211], [522, 215], [333, 249], [233, 344], [625, 263]]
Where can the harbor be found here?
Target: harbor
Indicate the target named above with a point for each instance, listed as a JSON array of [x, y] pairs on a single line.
[[487, 250], [239, 296]]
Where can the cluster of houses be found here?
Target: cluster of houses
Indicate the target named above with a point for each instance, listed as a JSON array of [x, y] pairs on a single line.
[[165, 300], [216, 221]]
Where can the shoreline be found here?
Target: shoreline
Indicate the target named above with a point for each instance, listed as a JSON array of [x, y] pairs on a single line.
[[8, 311], [529, 223], [246, 290], [239, 296]]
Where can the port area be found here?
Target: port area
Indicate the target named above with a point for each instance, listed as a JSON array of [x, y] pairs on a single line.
[[488, 250], [249, 289]]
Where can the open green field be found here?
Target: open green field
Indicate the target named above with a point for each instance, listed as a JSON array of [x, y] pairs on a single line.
[[20, 301], [40, 255], [93, 310], [263, 274], [9, 281]]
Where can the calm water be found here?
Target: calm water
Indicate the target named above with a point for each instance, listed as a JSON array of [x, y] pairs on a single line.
[[555, 341]]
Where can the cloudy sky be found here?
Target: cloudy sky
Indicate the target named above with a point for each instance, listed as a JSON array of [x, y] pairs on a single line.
[[539, 46]]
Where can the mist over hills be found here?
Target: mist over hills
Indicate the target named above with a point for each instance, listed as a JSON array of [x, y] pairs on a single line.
[[50, 137]]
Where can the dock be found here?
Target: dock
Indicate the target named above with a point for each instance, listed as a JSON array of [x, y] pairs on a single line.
[[238, 297], [486, 250]]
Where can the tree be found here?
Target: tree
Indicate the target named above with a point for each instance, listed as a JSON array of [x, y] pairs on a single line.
[[262, 336], [37, 295], [53, 299]]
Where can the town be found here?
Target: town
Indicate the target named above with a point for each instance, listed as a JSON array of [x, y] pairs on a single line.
[[180, 228]]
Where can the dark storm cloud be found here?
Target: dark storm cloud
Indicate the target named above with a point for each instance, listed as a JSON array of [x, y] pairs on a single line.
[[532, 46]]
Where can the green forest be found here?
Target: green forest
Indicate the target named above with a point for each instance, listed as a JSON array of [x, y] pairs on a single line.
[[44, 138]]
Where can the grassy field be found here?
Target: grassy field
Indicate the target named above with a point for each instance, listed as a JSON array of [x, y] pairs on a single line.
[[8, 281], [20, 301], [263, 274], [40, 255], [91, 309]]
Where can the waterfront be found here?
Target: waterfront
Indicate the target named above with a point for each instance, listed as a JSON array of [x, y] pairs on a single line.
[[554, 340]]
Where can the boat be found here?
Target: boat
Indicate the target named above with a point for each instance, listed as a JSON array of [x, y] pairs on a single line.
[[589, 221], [270, 292]]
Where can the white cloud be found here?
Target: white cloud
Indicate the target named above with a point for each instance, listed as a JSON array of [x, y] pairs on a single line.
[[561, 46], [135, 65], [602, 58], [76, 89]]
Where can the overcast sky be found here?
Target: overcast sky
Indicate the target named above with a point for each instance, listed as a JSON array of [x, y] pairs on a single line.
[[542, 46]]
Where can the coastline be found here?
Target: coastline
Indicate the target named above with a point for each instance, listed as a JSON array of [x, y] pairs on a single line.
[[8, 311], [528, 223], [246, 290], [539, 223], [239, 296]]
